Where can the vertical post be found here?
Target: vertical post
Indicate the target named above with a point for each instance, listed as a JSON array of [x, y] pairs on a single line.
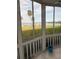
[[33, 17], [53, 19], [19, 32], [43, 27]]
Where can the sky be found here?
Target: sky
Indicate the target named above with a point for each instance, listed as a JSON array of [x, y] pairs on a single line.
[[26, 5]]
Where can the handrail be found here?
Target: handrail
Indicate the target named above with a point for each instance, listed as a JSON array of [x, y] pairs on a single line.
[[40, 37], [36, 45]]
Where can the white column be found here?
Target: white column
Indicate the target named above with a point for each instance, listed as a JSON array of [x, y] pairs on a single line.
[[43, 26], [19, 32]]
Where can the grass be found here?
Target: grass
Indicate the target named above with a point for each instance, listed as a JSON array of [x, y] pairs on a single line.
[[27, 32]]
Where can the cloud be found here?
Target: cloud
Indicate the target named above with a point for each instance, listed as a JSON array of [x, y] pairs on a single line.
[[26, 5]]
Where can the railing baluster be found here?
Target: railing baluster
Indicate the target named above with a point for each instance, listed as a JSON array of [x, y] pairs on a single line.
[[41, 44], [60, 40], [30, 50], [53, 41], [33, 48], [46, 42], [38, 45], [18, 57], [27, 50], [50, 41], [57, 41]]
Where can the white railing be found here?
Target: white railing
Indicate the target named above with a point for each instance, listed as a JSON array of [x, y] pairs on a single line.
[[34, 47]]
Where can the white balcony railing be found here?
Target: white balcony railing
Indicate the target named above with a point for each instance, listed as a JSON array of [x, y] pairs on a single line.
[[35, 46]]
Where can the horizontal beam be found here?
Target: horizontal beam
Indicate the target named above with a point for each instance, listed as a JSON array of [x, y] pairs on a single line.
[[50, 2]]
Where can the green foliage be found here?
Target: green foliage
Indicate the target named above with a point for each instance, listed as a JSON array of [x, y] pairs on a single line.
[[28, 34]]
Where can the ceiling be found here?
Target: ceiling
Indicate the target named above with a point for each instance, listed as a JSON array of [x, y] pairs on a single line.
[[50, 2]]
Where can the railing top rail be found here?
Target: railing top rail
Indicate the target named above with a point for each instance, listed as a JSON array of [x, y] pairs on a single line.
[[38, 38], [53, 35]]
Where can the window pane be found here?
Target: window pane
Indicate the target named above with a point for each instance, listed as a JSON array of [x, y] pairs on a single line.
[[26, 19], [37, 18], [57, 19], [49, 20]]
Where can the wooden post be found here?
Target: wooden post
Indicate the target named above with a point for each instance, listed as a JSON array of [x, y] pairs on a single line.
[[19, 32], [43, 27]]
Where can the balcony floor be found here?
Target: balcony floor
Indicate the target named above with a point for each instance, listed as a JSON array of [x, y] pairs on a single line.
[[55, 55]]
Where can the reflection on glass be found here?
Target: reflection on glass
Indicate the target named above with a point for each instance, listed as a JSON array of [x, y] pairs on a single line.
[[57, 19], [49, 20], [26, 19], [37, 18]]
